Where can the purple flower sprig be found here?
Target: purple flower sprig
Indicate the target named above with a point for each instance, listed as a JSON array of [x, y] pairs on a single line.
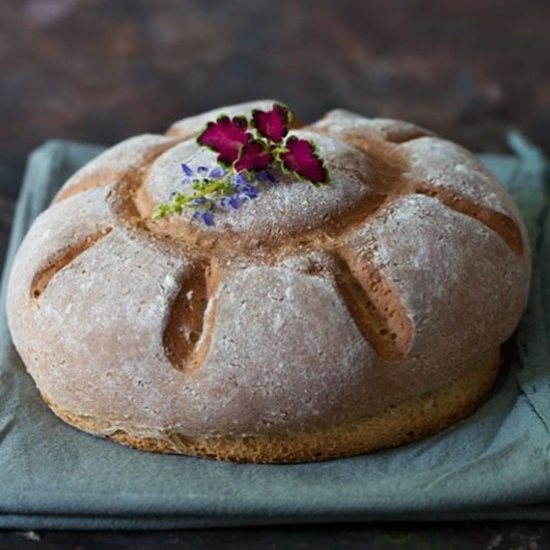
[[247, 150], [212, 188]]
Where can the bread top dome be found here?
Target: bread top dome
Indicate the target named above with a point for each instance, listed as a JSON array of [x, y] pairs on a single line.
[[305, 307]]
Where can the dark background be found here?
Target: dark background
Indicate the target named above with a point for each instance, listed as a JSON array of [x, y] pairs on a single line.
[[103, 70]]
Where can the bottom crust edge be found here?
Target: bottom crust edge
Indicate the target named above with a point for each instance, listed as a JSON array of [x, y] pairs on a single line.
[[408, 421]]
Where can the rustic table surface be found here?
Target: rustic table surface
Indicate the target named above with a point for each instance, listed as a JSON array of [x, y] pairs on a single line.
[[103, 70]]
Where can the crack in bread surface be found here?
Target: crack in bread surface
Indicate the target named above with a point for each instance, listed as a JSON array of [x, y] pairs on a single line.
[[61, 260], [188, 330], [374, 306], [391, 166], [501, 224]]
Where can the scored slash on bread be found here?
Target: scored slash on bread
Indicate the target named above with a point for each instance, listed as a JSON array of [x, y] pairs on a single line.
[[306, 309]]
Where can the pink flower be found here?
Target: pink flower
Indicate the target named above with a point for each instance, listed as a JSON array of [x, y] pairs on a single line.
[[226, 137], [302, 159], [273, 125], [254, 156]]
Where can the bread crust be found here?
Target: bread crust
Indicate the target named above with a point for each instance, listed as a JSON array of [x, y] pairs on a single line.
[[305, 310], [403, 423]]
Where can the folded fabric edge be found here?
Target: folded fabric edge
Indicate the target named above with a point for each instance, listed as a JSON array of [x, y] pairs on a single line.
[[82, 523]]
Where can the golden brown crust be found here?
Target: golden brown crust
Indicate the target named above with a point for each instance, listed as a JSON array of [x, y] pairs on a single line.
[[405, 422]]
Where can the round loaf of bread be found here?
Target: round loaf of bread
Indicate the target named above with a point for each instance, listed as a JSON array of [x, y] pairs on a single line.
[[311, 323]]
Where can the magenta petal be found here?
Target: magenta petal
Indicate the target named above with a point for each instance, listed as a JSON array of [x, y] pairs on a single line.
[[272, 124], [253, 156], [302, 159], [225, 136]]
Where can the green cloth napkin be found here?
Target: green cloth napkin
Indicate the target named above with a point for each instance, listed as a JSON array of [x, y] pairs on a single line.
[[493, 465]]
